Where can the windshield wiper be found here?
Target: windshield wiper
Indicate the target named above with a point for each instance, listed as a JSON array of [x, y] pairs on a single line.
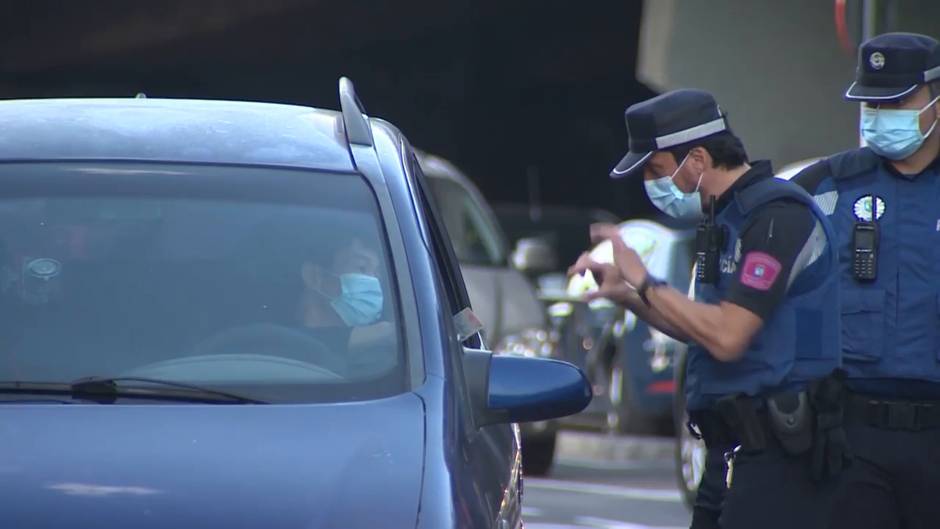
[[168, 389], [106, 390]]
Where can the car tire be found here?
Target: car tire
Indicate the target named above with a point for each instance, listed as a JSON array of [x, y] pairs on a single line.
[[538, 454], [689, 452]]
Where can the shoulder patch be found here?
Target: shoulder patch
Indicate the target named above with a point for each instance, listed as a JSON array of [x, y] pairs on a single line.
[[760, 270]]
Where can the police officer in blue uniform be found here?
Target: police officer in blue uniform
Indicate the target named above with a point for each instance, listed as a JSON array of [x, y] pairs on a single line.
[[884, 204], [764, 322]]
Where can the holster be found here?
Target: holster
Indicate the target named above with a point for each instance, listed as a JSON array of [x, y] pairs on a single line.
[[831, 453], [792, 421]]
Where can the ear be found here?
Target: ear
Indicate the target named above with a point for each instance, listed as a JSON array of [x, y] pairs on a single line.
[[310, 273]]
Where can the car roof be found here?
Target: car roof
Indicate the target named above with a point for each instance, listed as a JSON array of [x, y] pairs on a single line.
[[790, 170], [173, 130], [436, 167]]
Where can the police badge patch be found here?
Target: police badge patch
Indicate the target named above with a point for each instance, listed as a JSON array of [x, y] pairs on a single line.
[[760, 270], [862, 208]]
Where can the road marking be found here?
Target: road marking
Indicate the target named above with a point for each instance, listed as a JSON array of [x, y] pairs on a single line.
[[603, 523], [534, 512], [665, 495], [553, 526], [595, 523], [596, 464]]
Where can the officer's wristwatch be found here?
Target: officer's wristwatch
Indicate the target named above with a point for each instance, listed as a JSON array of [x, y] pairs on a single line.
[[648, 283]]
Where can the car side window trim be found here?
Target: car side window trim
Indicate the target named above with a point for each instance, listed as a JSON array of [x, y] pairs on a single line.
[[441, 250]]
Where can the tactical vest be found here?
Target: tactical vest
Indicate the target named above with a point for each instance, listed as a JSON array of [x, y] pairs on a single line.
[[800, 340], [890, 326]]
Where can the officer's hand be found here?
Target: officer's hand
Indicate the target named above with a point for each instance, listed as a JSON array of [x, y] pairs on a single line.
[[627, 260], [610, 284]]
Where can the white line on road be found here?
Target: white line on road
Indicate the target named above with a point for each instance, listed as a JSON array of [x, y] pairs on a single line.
[[603, 523], [666, 495], [534, 512], [594, 523], [596, 464], [552, 526]]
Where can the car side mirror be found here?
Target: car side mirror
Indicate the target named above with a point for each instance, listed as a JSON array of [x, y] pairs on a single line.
[[534, 255], [507, 389]]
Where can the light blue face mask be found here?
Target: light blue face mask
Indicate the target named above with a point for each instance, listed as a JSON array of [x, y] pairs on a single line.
[[671, 200], [360, 302], [894, 133]]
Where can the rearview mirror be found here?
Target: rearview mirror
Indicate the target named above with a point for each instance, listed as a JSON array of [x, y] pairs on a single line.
[[534, 256], [507, 389]]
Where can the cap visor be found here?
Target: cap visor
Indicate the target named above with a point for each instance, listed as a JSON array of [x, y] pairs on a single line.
[[630, 164], [857, 92]]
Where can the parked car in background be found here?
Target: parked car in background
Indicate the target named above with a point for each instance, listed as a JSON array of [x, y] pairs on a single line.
[[690, 452], [227, 314], [629, 363], [505, 300], [564, 229]]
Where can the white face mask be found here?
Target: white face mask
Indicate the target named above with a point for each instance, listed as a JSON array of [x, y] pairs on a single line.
[[671, 200]]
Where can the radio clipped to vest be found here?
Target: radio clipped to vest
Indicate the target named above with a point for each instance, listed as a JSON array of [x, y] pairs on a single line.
[[709, 241], [865, 246]]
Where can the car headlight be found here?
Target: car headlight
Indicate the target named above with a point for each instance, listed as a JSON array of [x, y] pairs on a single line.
[[534, 343]]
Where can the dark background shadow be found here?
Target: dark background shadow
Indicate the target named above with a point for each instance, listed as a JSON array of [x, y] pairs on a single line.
[[505, 89]]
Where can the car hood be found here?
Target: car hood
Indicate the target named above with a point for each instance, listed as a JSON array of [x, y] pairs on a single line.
[[306, 466]]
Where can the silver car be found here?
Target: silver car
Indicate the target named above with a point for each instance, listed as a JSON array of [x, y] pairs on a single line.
[[501, 295]]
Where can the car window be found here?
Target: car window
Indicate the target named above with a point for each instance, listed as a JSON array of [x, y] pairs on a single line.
[[444, 252], [270, 283], [475, 238]]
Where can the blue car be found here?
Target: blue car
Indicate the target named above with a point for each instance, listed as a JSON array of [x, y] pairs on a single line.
[[243, 315]]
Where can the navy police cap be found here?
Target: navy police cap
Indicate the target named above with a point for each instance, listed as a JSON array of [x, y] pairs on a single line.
[[893, 65], [666, 121]]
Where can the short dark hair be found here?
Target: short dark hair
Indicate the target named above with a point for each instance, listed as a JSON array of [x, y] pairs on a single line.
[[725, 148]]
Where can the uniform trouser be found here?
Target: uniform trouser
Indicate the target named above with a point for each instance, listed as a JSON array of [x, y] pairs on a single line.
[[769, 489], [711, 490], [893, 482]]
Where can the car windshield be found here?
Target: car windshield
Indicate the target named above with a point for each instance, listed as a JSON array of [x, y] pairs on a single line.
[[476, 239], [272, 284]]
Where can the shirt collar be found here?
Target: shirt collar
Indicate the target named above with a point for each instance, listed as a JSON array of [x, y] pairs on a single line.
[[886, 164], [759, 170]]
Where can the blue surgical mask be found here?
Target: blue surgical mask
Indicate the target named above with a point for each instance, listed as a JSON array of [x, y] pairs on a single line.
[[894, 133], [360, 301], [671, 200]]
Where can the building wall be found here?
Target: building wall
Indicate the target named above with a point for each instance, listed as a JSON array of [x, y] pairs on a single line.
[[776, 67]]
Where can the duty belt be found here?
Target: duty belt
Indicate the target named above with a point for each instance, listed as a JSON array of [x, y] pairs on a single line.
[[893, 414]]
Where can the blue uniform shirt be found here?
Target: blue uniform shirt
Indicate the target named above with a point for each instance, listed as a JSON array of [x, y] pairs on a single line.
[[891, 326], [777, 263]]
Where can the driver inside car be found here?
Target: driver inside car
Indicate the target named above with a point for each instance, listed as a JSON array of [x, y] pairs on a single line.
[[342, 301]]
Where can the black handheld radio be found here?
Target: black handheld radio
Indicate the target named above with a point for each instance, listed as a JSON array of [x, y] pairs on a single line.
[[865, 246], [709, 239]]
